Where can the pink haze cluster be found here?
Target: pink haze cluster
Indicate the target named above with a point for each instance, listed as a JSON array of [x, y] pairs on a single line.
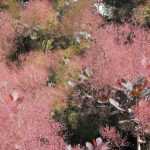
[[142, 114], [7, 32], [112, 135], [37, 12]]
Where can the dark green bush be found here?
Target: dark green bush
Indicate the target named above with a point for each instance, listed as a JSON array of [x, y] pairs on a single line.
[[82, 117], [78, 127], [123, 9], [38, 39], [124, 3], [23, 45], [89, 109], [119, 3]]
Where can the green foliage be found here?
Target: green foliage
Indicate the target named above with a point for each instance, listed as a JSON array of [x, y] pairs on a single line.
[[23, 46], [3, 6], [118, 3], [78, 128], [39, 39], [13, 8], [25, 42], [90, 108], [82, 117], [47, 44], [147, 15], [122, 13], [81, 47], [123, 9], [60, 6], [122, 3]]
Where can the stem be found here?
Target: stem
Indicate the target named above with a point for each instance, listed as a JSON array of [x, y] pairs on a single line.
[[138, 143]]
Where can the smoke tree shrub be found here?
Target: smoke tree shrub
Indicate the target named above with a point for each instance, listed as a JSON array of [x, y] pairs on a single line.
[[88, 107], [38, 13], [24, 43], [102, 147], [142, 114], [7, 31], [70, 15], [55, 142], [112, 135]]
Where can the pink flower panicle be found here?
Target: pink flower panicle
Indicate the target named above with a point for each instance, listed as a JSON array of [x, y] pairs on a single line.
[[37, 12], [142, 113], [103, 146], [7, 31], [112, 135]]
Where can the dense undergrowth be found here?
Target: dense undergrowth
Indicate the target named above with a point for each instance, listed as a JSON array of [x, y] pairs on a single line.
[[133, 11], [92, 112], [94, 117]]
